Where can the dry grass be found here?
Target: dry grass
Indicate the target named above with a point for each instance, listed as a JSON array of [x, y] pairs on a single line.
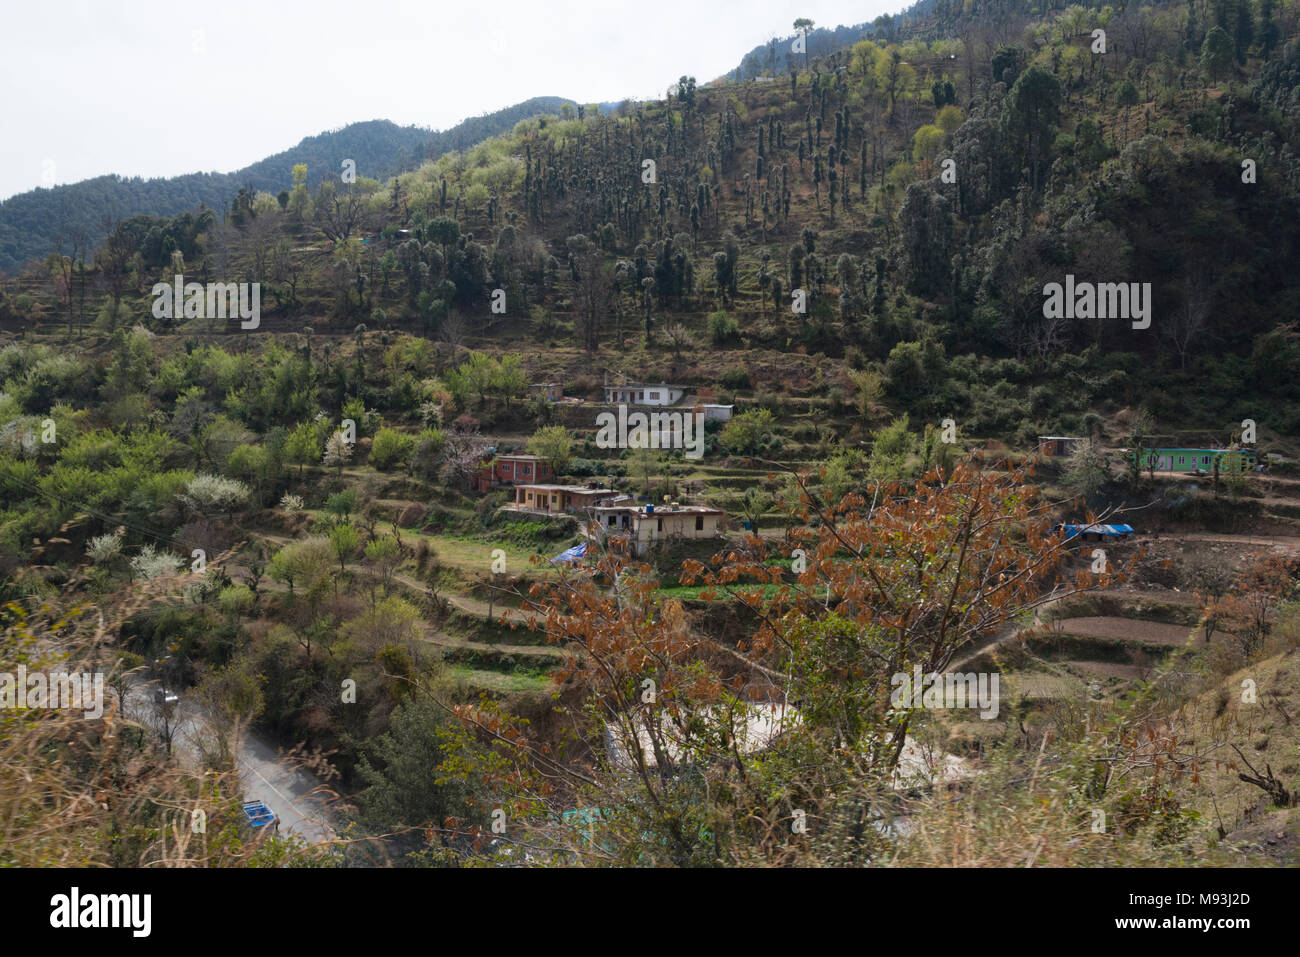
[[100, 792]]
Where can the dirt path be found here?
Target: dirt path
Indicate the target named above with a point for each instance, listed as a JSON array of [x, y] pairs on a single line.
[[1126, 594], [1289, 544], [1008, 632], [1107, 669], [474, 606], [1263, 480], [463, 603]]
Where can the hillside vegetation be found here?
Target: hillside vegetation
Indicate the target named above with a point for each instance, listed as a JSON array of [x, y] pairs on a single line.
[[78, 216], [856, 256]]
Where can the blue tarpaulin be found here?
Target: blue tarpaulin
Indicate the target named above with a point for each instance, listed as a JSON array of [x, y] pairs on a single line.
[[1109, 531], [572, 555]]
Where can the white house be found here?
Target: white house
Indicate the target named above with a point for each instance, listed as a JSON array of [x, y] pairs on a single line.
[[756, 727], [642, 394], [644, 526]]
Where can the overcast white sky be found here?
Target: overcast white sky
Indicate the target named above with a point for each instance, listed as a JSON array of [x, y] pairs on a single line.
[[147, 88]]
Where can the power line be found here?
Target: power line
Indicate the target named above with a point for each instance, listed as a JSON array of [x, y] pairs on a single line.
[[107, 519]]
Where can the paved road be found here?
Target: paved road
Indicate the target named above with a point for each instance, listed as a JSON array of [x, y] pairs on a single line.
[[291, 792], [265, 775]]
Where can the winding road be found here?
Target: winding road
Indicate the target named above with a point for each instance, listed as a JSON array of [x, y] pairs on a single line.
[[294, 794]]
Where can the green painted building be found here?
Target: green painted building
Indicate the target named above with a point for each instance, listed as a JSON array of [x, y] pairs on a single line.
[[1192, 460]]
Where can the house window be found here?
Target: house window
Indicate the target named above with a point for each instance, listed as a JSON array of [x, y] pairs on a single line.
[[1180, 460], [699, 523], [611, 520], [652, 395], [661, 525], [528, 470], [1205, 460]]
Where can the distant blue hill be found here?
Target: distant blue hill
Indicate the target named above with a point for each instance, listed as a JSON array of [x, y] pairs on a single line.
[[31, 222]]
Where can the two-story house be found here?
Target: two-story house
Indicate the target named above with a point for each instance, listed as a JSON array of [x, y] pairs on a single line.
[[511, 470]]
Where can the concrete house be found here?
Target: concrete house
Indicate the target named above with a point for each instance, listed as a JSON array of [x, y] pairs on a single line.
[[645, 526], [1194, 460], [559, 499], [642, 394], [760, 726], [511, 470]]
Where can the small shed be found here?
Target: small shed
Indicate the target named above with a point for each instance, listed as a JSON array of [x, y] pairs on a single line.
[[1057, 445], [550, 391]]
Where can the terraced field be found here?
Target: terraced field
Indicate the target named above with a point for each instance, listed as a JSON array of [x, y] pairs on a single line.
[[1125, 629]]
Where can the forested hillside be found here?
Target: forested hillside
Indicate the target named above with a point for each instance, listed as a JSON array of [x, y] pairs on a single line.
[[1125, 167], [850, 260], [32, 223]]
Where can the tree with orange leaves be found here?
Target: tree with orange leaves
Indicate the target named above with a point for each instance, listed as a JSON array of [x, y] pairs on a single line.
[[1246, 610], [650, 699], [697, 750], [921, 572]]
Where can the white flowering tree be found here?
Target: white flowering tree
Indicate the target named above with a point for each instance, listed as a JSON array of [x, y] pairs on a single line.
[[338, 452], [103, 549], [209, 494], [152, 563]]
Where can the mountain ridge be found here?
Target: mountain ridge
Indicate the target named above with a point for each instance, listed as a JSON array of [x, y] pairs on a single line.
[[32, 222]]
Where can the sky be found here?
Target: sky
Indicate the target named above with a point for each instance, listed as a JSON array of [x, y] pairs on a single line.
[[145, 88]]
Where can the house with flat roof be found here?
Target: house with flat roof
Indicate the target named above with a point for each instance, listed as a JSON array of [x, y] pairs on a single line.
[[511, 469], [559, 499], [636, 393], [645, 526], [645, 735], [1193, 460]]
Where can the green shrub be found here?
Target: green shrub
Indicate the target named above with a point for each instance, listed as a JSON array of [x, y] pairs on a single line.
[[591, 468], [424, 456], [722, 327], [390, 448], [749, 432], [736, 378], [1126, 94]]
